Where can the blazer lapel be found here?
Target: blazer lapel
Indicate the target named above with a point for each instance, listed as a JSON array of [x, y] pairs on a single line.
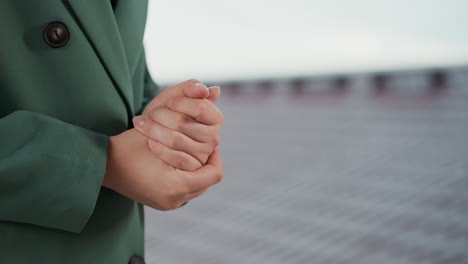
[[97, 21], [131, 20]]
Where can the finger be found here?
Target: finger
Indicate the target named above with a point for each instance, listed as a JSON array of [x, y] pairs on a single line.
[[201, 110], [207, 175], [215, 92], [177, 159], [192, 88], [171, 138], [186, 125], [192, 195]]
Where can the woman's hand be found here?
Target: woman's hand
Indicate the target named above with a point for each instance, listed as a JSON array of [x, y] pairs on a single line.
[[183, 124], [133, 170]]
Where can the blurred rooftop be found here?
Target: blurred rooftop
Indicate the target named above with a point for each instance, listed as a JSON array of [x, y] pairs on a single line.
[[346, 168]]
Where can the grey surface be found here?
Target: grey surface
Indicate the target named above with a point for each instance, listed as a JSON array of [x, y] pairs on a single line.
[[331, 178]]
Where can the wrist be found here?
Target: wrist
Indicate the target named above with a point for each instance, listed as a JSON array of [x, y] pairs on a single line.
[[107, 179]]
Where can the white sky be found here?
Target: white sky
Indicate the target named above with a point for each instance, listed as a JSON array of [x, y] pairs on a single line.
[[242, 39]]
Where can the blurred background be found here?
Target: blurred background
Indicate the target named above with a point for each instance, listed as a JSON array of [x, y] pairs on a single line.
[[345, 136]]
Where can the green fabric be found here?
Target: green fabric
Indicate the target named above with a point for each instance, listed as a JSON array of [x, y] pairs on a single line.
[[58, 107]]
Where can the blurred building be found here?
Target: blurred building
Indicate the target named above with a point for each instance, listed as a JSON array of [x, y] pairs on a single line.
[[417, 83]]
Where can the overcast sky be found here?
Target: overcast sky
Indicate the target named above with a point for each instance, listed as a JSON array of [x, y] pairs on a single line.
[[243, 39]]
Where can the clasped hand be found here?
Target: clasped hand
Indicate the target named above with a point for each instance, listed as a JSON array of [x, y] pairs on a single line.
[[172, 154]]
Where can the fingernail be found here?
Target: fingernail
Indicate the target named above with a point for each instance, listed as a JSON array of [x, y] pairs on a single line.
[[201, 84], [138, 120], [212, 87]]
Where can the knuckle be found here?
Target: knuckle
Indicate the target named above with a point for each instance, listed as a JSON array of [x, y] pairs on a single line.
[[175, 140], [180, 122], [174, 102], [216, 139], [183, 162], [219, 176], [201, 108], [154, 114]]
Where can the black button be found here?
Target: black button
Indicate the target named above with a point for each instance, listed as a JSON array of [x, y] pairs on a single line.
[[136, 260], [56, 34]]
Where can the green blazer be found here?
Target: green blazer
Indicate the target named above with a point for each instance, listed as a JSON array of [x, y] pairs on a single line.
[[58, 106]]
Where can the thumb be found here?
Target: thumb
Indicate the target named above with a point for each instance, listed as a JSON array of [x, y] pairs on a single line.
[[192, 88]]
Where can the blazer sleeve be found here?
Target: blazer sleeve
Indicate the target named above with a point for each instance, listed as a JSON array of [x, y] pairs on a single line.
[[50, 171]]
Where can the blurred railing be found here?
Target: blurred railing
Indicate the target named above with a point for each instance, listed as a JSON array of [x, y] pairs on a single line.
[[340, 169]]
